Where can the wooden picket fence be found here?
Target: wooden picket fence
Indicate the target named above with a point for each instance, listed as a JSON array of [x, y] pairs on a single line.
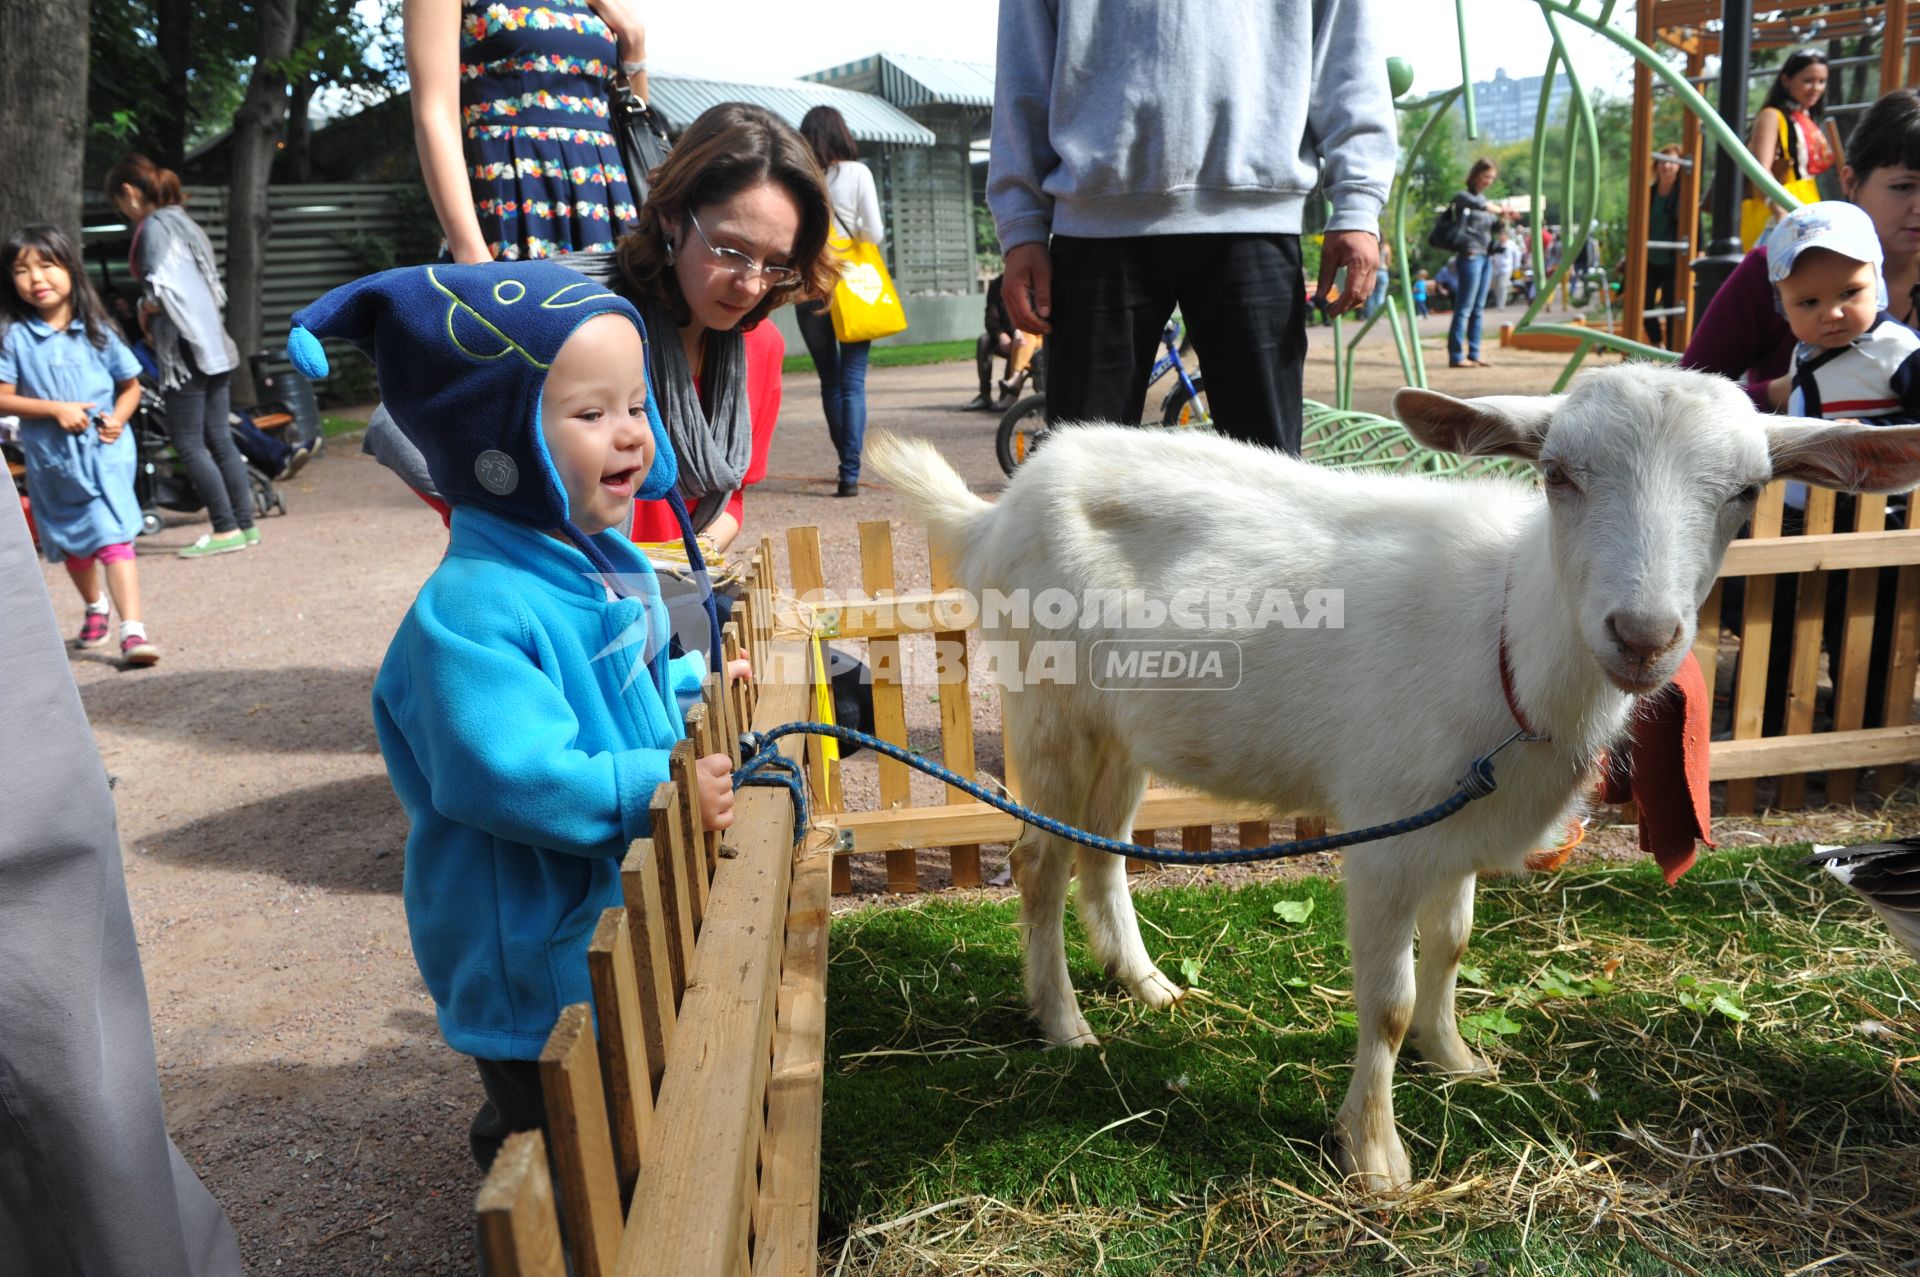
[[686, 1137], [900, 830], [686, 1134]]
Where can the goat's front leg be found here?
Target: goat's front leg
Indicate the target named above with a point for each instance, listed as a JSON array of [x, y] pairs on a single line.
[[1040, 865], [1446, 920], [1380, 935]]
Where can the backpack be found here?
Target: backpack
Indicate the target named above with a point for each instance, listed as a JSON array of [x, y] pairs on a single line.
[[1449, 230]]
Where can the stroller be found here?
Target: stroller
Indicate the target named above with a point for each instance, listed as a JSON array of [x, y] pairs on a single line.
[[160, 482]]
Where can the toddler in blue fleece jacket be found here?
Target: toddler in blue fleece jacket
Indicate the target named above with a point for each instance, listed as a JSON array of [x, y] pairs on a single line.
[[527, 704]]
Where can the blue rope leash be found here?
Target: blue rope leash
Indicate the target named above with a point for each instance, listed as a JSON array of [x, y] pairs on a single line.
[[767, 766]]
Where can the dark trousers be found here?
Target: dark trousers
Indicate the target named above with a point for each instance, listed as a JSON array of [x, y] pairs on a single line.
[[842, 368], [1662, 291], [197, 422], [513, 1103], [1244, 300]]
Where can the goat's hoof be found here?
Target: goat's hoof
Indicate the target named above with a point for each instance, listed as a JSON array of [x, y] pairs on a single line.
[[1072, 1036], [1454, 1059], [1156, 991], [1378, 1168]]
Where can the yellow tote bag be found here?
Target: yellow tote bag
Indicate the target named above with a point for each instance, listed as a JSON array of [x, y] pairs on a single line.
[[1756, 214], [865, 305]]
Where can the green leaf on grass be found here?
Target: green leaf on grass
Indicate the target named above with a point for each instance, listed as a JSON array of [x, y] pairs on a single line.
[[1190, 970], [1295, 911], [1478, 1028]]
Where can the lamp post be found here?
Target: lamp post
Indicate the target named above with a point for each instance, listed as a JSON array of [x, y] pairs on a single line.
[[1724, 250]]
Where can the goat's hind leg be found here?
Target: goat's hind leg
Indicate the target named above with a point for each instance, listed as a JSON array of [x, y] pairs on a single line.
[[1103, 900], [1041, 866], [1446, 921]]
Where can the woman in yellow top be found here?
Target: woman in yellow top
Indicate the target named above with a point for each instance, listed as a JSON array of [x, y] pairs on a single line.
[[1794, 106]]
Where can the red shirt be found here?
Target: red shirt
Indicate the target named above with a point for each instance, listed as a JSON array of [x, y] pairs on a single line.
[[653, 520]]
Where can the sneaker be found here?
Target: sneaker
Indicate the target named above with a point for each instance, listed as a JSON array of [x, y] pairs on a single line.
[[252, 535], [847, 488], [222, 543], [137, 650], [295, 460], [93, 629]]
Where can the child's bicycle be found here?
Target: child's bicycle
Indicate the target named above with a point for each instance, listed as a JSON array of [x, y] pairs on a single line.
[[1024, 426]]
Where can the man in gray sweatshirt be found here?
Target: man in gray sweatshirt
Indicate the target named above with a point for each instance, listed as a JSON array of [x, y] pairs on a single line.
[[1149, 154]]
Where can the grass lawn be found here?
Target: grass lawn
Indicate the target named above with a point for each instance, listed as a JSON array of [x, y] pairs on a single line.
[[331, 426], [931, 352], [1698, 1079]]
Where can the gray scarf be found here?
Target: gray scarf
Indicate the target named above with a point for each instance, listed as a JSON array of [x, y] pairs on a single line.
[[713, 451], [177, 268]]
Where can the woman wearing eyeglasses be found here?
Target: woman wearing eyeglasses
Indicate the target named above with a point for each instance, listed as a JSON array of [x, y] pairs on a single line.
[[841, 365], [736, 225]]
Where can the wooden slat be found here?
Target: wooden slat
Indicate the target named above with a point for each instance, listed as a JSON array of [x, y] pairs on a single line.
[[1196, 838], [1803, 670], [700, 738], [676, 893], [624, 1064], [1850, 664], [1255, 833], [1904, 667], [582, 1149], [1778, 755], [1309, 827], [1756, 646], [1706, 637], [721, 716], [978, 823], [691, 1212], [863, 616], [519, 1228], [1832, 552], [889, 703], [739, 708], [788, 1212], [691, 844], [807, 577], [956, 722], [648, 928], [1142, 838]]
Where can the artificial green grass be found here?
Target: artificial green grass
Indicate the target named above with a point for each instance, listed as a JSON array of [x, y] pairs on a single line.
[[930, 352], [1635, 1027]]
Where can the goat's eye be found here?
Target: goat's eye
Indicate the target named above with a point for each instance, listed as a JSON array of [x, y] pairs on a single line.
[[1747, 495], [1556, 476]]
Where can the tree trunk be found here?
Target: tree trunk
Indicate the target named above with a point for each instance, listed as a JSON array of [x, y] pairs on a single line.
[[256, 133], [173, 37], [43, 113]]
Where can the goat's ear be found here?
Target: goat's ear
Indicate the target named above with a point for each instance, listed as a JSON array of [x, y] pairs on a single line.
[[1498, 425], [1845, 457]]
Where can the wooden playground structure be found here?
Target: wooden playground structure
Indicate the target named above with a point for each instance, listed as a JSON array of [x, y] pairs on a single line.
[[1694, 27]]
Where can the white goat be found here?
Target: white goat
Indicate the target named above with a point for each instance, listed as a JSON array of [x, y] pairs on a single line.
[[1593, 585]]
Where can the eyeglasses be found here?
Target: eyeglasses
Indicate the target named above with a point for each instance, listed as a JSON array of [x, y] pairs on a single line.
[[743, 267]]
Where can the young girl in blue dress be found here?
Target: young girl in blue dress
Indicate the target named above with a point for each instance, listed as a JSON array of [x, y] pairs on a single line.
[[74, 385]]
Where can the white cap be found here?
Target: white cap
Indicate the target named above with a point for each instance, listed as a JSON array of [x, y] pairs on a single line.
[[1835, 225]]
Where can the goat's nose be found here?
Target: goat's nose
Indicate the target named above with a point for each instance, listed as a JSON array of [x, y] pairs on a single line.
[[1642, 637]]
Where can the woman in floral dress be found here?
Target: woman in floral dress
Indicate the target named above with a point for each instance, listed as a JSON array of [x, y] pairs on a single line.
[[511, 117]]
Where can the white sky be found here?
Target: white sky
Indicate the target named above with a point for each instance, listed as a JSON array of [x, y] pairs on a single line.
[[771, 39]]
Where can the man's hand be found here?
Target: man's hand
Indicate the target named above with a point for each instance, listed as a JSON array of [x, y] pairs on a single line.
[[713, 777], [73, 417], [1027, 289], [1359, 252]]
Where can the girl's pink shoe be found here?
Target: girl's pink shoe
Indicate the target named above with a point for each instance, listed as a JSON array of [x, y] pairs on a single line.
[[138, 650]]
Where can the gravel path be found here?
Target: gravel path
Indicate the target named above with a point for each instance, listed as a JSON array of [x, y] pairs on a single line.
[[302, 1069]]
